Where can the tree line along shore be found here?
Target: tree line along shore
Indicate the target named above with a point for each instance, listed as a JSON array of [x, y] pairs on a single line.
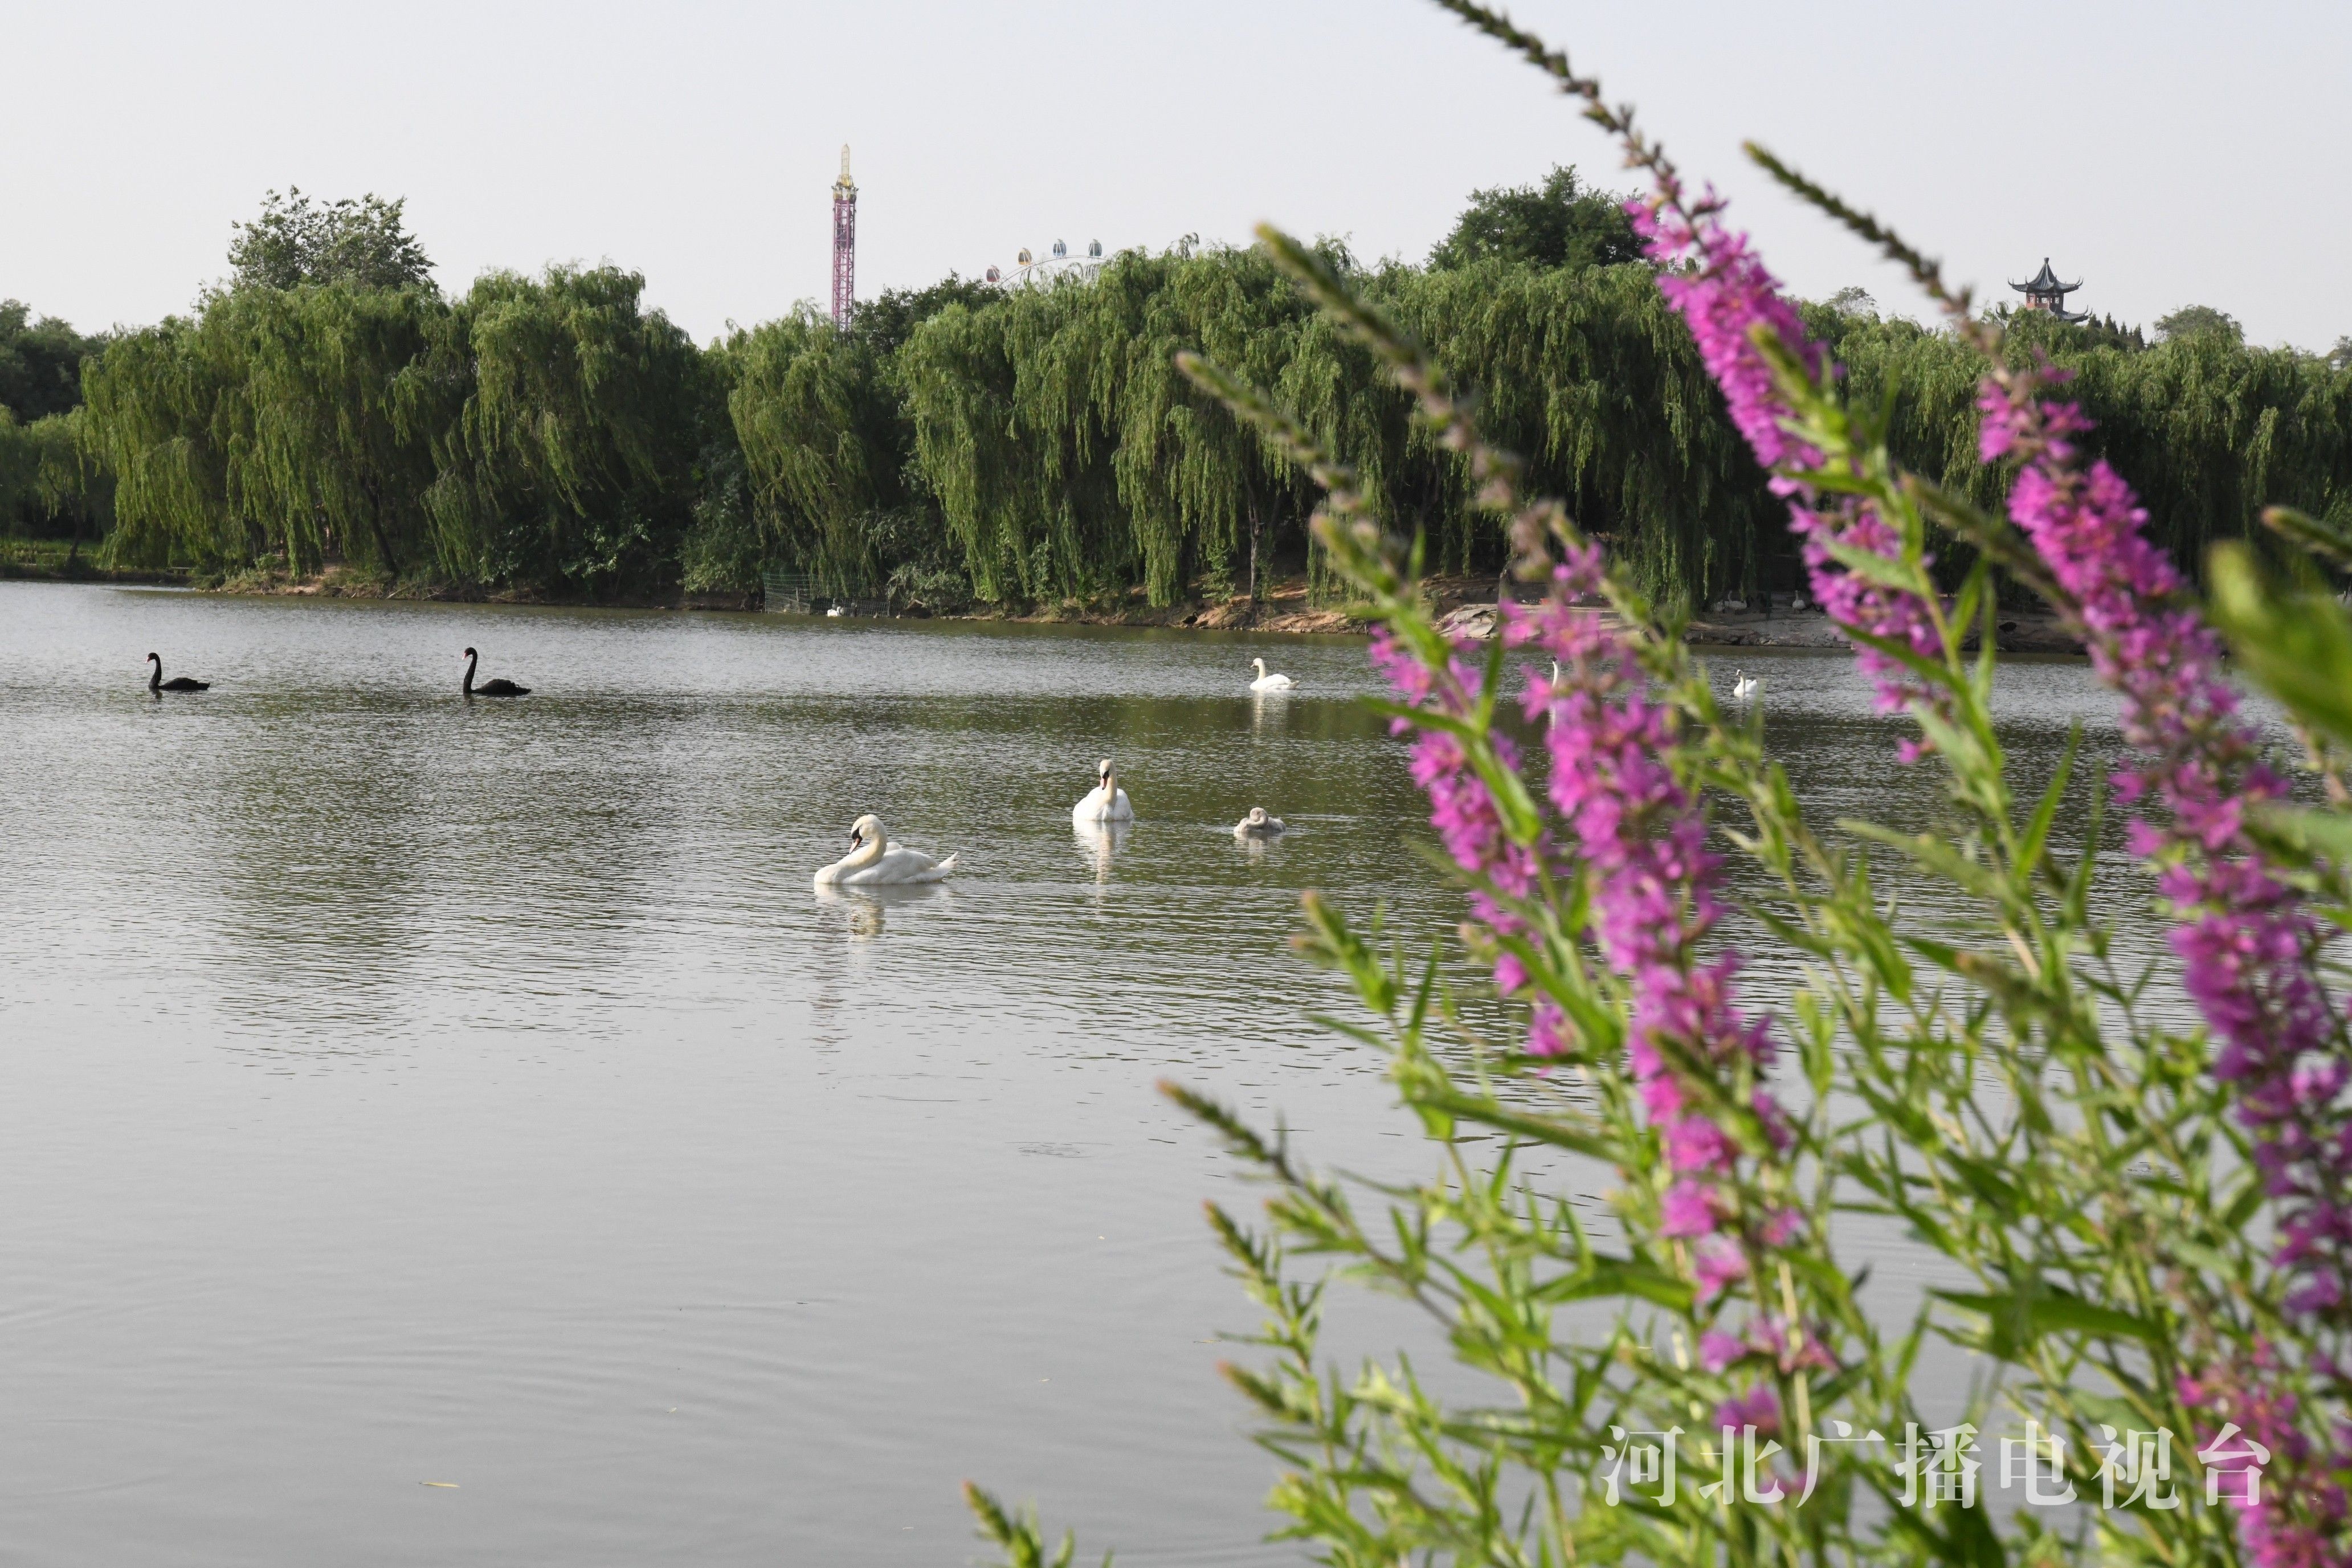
[[326, 418]]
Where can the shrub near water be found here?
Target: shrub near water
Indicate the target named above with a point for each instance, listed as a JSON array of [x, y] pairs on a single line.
[[2153, 1219]]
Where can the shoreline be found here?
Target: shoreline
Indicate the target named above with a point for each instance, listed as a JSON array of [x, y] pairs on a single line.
[[1465, 606]]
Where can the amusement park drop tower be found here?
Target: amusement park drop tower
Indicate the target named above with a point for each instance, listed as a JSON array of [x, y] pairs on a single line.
[[845, 243]]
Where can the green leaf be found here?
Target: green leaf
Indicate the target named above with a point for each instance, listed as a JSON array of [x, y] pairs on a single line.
[[1868, 564], [1624, 1277], [2327, 833], [2328, 540], [2015, 1323], [2037, 831], [2297, 646]]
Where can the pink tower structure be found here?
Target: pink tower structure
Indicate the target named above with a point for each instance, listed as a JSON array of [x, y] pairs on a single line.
[[844, 244]]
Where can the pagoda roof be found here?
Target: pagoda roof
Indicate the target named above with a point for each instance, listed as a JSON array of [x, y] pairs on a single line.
[[2046, 282]]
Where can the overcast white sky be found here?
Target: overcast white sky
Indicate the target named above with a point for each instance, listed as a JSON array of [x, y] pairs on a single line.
[[2165, 153]]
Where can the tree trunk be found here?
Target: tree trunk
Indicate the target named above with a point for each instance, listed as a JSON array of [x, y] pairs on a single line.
[[375, 526], [1256, 530]]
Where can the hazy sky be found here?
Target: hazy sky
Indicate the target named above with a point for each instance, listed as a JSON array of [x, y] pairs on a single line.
[[2165, 154]]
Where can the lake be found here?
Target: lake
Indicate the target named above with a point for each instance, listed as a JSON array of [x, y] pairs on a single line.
[[402, 1090]]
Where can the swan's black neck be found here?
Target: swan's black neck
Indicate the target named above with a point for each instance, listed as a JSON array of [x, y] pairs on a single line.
[[470, 660], [155, 676]]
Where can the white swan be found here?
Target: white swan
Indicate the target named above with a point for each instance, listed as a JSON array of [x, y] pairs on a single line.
[[873, 860], [1744, 685], [1106, 802], [1257, 825], [1265, 682]]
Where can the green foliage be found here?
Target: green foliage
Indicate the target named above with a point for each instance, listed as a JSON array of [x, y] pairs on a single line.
[[965, 442], [40, 362], [2298, 645], [1560, 223], [1854, 300], [1071, 460], [569, 426], [1016, 1532], [540, 433], [884, 322], [276, 424], [827, 437], [815, 424], [1590, 376], [722, 553], [51, 485], [362, 244], [2200, 321], [2209, 429]]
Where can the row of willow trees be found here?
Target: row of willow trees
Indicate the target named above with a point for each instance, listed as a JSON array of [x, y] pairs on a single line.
[[551, 435]]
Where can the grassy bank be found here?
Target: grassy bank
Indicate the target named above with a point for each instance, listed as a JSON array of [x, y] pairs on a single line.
[[73, 560]]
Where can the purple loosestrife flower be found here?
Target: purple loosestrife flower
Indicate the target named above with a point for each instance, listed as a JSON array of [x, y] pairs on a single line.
[[2248, 943], [1760, 1407], [1462, 809], [1724, 292], [1642, 835], [2250, 1396]]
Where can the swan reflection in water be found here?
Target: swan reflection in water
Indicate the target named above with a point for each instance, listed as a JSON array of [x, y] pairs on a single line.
[[1100, 842], [863, 909], [1269, 710]]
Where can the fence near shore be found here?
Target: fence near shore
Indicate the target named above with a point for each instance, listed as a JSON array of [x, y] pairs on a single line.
[[788, 593]]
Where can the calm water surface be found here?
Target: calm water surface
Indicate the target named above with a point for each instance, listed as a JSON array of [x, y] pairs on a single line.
[[401, 1090]]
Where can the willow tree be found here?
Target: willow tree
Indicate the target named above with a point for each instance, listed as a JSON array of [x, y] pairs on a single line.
[[52, 484], [1069, 455], [19, 461], [1017, 466], [152, 401], [277, 423], [567, 457], [813, 423], [1587, 373], [329, 431], [1205, 493], [2210, 429]]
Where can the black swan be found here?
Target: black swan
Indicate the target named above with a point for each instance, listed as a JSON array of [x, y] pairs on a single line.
[[156, 683], [498, 687]]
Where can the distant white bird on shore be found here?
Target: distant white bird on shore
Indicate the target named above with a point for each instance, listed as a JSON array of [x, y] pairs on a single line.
[[1265, 682], [1257, 825], [1106, 802], [1744, 685], [873, 860]]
